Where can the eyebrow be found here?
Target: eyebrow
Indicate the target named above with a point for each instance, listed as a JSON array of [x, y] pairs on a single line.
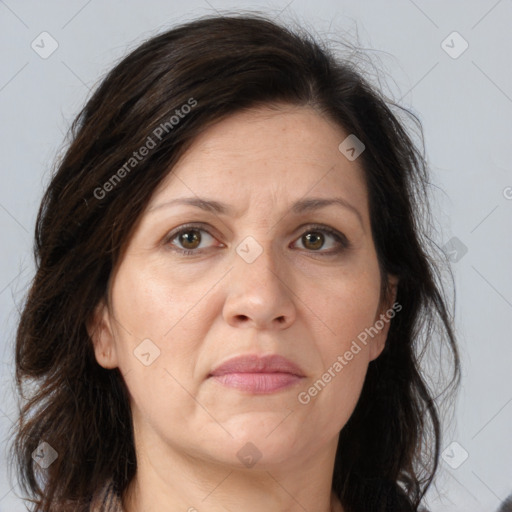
[[301, 206]]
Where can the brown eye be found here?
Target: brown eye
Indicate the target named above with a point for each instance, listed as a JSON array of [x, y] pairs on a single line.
[[317, 237], [190, 239], [313, 240]]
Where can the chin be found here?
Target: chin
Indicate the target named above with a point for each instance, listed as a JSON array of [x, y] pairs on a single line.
[[263, 444]]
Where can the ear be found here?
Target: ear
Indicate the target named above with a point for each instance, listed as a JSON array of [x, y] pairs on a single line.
[[387, 310], [99, 328]]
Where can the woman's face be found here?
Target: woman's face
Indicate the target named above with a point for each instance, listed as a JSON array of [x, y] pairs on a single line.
[[263, 276]]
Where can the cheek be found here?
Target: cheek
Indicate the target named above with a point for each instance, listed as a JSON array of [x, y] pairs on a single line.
[[349, 306], [152, 327], [333, 393], [157, 320], [140, 303], [152, 303]]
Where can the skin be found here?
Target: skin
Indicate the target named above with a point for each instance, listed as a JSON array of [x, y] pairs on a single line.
[[205, 308]]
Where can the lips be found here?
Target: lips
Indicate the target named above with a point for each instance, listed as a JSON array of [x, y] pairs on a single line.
[[258, 374], [258, 364]]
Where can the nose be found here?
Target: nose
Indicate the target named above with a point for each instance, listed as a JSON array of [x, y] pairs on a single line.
[[260, 295]]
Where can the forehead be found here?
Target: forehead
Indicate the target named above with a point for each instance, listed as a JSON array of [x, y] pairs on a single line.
[[282, 154]]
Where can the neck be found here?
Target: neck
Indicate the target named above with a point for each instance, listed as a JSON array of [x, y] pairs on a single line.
[[182, 483]]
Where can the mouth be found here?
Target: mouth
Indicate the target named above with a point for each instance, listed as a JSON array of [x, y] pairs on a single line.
[[258, 375]]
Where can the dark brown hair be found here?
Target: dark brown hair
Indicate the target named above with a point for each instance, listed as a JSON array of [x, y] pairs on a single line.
[[224, 64]]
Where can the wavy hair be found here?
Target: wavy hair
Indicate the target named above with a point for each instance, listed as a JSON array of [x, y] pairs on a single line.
[[226, 64]]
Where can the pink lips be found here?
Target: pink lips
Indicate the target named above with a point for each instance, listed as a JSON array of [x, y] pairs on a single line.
[[257, 374]]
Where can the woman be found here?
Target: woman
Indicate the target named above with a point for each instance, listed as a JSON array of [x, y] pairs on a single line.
[[233, 289]]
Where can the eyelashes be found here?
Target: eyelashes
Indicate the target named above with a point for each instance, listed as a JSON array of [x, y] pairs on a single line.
[[315, 234]]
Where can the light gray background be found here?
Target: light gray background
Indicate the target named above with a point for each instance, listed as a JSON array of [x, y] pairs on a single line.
[[465, 105]]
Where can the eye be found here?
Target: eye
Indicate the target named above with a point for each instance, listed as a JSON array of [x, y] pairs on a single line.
[[189, 239], [314, 239]]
